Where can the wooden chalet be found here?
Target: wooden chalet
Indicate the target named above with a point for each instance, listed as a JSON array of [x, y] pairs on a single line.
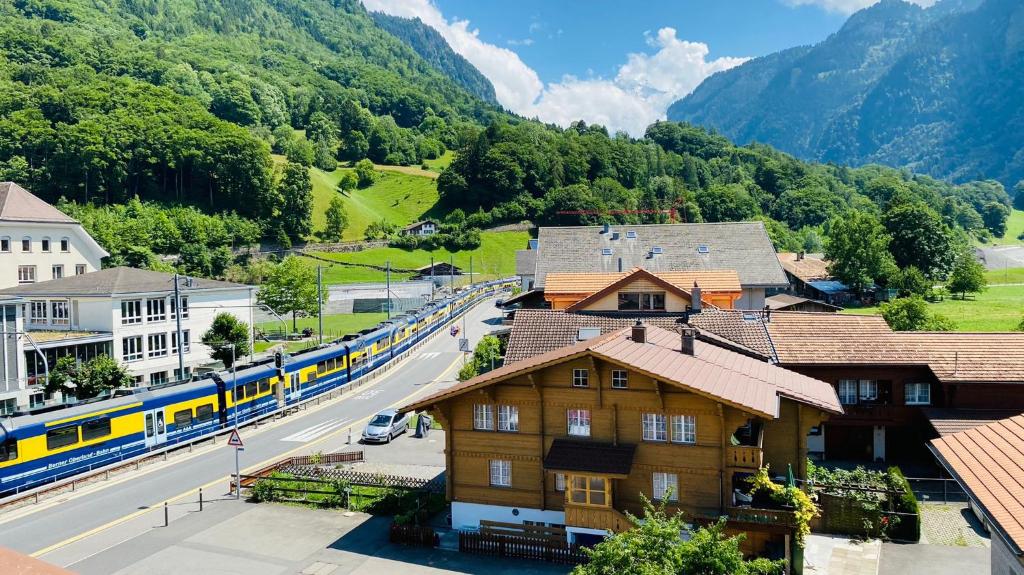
[[642, 290]]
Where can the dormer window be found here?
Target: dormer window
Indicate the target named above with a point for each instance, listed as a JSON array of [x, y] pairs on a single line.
[[656, 250], [703, 249], [630, 235], [606, 251]]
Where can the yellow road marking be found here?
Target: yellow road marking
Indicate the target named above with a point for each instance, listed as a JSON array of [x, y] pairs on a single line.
[[264, 463]]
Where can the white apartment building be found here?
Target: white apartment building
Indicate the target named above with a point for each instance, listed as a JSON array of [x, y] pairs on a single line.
[[127, 313], [38, 242]]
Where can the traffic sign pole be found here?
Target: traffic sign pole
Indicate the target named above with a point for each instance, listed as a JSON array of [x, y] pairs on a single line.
[[234, 440]]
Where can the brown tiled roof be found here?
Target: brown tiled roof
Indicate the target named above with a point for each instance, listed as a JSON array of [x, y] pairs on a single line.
[[781, 301], [742, 327], [744, 382], [808, 269], [589, 283], [19, 205], [966, 357], [948, 420], [16, 563], [626, 280], [587, 456], [988, 461]]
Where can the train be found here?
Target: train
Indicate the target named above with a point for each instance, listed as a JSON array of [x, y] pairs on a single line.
[[36, 449]]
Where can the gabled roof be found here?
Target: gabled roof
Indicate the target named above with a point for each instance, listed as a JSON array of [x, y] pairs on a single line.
[[624, 281], [116, 281], [950, 420], [988, 461], [589, 283], [415, 225], [743, 382], [807, 267], [526, 262], [741, 246], [19, 205], [781, 301]]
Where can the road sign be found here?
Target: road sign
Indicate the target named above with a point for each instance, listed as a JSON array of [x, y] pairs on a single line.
[[234, 440], [464, 345]]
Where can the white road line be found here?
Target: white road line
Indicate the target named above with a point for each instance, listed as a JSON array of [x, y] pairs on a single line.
[[311, 433], [429, 355]]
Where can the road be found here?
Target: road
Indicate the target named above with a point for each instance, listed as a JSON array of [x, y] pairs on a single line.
[[52, 524]]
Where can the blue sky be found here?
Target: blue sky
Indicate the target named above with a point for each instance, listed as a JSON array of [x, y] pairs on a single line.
[[616, 63]]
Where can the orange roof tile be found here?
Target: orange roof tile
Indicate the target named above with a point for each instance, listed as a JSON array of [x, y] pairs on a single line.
[[589, 283], [988, 461]]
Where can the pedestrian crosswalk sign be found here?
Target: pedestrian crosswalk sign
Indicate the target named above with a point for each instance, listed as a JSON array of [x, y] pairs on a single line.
[[234, 440]]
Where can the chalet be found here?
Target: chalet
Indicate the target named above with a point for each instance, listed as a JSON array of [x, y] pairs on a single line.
[[574, 436], [810, 278], [658, 248], [420, 228], [437, 270], [789, 302], [641, 290], [988, 462]]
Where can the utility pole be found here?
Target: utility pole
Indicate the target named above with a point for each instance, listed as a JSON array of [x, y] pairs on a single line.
[[388, 286], [234, 399], [177, 318], [451, 275], [320, 301], [431, 278]]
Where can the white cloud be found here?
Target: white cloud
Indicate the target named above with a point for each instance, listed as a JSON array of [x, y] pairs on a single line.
[[639, 94], [523, 42], [849, 6]]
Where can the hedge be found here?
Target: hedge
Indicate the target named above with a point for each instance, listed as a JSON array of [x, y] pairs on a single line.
[[909, 526]]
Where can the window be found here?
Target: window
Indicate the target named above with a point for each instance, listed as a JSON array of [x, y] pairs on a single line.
[[179, 377], [580, 378], [184, 308], [917, 394], [684, 429], [250, 389], [158, 377], [666, 487], [183, 418], [185, 337], [204, 413], [9, 448], [79, 269], [37, 312], [131, 311], [157, 344], [26, 274], [46, 245], [654, 427], [131, 348], [579, 422], [65, 245], [620, 379], [5, 245], [57, 270], [501, 473], [508, 418], [263, 385], [848, 391], [156, 309], [868, 390], [96, 429], [62, 437], [646, 301], [483, 417], [26, 244], [60, 312], [559, 482], [585, 490]]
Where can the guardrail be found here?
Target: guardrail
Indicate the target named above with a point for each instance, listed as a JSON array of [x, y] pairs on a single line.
[[102, 469]]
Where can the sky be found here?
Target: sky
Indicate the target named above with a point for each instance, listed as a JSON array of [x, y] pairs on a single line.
[[616, 63]]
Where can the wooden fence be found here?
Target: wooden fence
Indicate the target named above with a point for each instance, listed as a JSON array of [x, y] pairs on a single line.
[[354, 477], [413, 535], [521, 547]]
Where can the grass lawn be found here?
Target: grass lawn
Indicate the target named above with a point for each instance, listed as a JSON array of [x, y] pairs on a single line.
[[417, 171], [999, 308], [1014, 228], [494, 258], [1005, 276], [335, 325], [441, 163]]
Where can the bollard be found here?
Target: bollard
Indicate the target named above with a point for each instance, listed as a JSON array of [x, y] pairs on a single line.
[[167, 520], [200, 498], [350, 436]]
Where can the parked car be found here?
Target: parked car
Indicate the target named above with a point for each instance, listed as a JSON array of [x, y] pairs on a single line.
[[385, 426], [499, 302]]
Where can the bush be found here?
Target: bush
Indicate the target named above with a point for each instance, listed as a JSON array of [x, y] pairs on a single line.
[[263, 490], [909, 526]]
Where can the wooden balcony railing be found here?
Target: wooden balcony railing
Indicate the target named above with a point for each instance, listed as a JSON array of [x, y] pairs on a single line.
[[747, 457], [762, 516], [596, 518]]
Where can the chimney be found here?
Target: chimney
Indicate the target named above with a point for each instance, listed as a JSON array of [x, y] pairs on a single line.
[[606, 228], [695, 298], [639, 332], [620, 265], [689, 337], [799, 255], [767, 314]]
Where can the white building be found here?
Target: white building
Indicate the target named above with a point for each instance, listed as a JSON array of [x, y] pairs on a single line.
[[422, 228], [38, 242], [127, 313]]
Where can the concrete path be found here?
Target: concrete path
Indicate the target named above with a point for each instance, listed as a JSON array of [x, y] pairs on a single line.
[[836, 555]]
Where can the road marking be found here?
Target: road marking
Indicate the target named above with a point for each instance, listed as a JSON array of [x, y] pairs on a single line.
[[368, 394], [429, 355], [192, 491], [312, 433]]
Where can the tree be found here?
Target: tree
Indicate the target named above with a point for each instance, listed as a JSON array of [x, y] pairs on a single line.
[[348, 181], [1018, 195], [297, 192], [195, 259], [88, 379], [857, 250], [486, 356], [919, 238], [995, 214], [968, 276], [337, 220], [291, 288], [910, 281], [912, 314], [365, 173], [225, 332]]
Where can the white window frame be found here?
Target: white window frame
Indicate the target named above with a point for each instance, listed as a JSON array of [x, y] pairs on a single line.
[[620, 379], [162, 379], [662, 483], [80, 269], [918, 386], [867, 390], [26, 274], [847, 391], [131, 348], [483, 417], [580, 377], [7, 240], [186, 336], [29, 240], [57, 271], [500, 473], [131, 311], [156, 309], [39, 305], [684, 429], [45, 245], [655, 427], [508, 418], [560, 482], [184, 307], [578, 422], [65, 245], [60, 312], [156, 345]]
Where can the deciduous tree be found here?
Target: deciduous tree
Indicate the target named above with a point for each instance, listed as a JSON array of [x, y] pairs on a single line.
[[968, 276], [857, 250], [337, 220], [225, 332], [291, 288]]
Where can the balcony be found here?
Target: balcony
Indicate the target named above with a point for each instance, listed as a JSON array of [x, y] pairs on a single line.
[[744, 457], [596, 518], [760, 516]]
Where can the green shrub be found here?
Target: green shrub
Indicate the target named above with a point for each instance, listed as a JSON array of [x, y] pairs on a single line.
[[263, 490], [908, 528]]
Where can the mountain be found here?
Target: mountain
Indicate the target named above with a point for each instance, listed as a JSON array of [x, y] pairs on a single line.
[[429, 44], [936, 90]]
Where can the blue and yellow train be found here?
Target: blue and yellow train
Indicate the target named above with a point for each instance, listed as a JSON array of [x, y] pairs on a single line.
[[41, 448]]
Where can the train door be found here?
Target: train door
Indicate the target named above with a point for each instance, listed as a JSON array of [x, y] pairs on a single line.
[[156, 427], [293, 382]]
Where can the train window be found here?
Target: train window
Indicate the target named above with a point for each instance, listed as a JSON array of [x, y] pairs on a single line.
[[264, 385], [62, 437], [204, 413], [332, 364], [96, 429], [183, 418], [273, 389], [321, 368], [149, 425], [9, 450], [250, 389], [341, 362], [239, 393], [160, 422]]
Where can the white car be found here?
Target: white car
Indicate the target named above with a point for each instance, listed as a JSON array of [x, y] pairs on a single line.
[[385, 426]]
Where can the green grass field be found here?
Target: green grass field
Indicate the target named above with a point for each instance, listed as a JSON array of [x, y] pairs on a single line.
[[1005, 276], [1014, 228], [998, 308], [440, 163], [335, 326]]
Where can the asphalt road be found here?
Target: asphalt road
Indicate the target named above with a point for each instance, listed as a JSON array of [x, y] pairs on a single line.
[[433, 366]]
